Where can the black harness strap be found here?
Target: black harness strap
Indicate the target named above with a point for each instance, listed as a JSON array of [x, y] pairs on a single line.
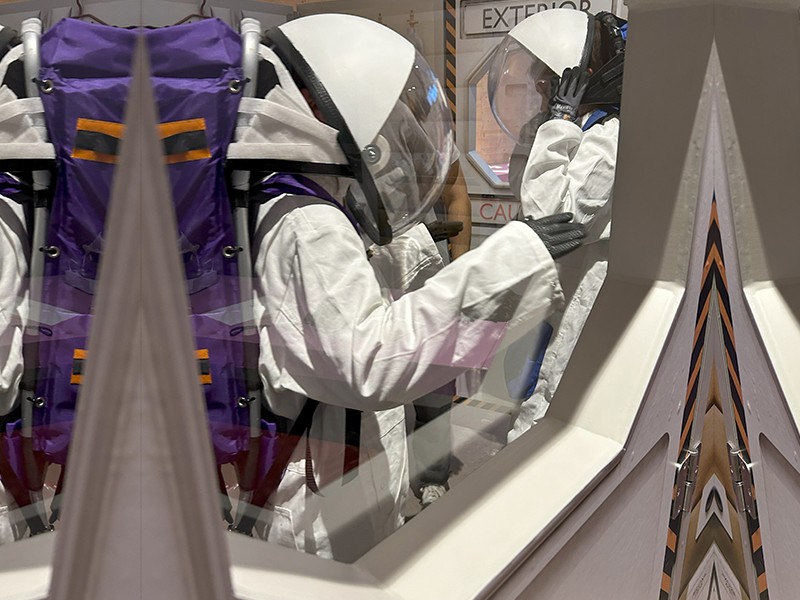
[[352, 450], [20, 494], [226, 501], [311, 482], [352, 441], [272, 479], [8, 38], [55, 505]]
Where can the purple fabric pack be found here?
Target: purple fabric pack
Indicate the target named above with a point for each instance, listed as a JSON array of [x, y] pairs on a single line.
[[196, 75]]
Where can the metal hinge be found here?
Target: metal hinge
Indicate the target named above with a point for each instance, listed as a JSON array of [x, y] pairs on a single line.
[[684, 484], [742, 475]]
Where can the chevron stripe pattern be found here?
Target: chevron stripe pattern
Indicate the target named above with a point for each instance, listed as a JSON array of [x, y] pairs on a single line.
[[714, 255], [714, 279]]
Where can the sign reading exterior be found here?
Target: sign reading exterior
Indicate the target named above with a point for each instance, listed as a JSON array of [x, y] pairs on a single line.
[[495, 17]]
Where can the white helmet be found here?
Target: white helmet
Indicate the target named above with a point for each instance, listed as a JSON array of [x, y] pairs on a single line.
[[533, 52], [394, 127]]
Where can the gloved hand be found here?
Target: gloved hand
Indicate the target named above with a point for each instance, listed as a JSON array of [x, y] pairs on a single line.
[[559, 234], [568, 93], [443, 230]]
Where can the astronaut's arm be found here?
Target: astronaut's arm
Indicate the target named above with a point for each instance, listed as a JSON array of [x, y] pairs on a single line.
[[571, 171], [13, 300], [344, 344]]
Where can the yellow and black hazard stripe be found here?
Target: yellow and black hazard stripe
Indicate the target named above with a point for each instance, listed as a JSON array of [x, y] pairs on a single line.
[[690, 403], [97, 141], [714, 278], [450, 55], [203, 365], [79, 360], [740, 417], [184, 141]]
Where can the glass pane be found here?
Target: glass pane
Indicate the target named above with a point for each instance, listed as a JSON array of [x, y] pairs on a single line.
[[48, 314], [491, 142], [388, 379], [334, 370]]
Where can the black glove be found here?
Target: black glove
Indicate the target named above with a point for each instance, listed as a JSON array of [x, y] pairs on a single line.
[[442, 230], [559, 234], [568, 94]]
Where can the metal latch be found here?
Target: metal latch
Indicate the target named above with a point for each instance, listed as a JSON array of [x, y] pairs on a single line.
[[684, 484], [742, 474]]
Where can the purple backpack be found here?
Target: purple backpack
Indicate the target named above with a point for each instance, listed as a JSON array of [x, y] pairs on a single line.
[[84, 81]]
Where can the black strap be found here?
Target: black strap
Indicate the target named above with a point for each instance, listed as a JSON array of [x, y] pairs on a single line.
[[20, 494], [267, 78], [15, 79], [8, 38], [226, 501], [352, 449], [352, 444], [311, 482], [266, 488], [55, 505]]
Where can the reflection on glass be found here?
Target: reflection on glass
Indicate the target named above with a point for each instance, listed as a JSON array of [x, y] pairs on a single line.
[[352, 360], [63, 205], [345, 343], [491, 142], [198, 92], [565, 161]]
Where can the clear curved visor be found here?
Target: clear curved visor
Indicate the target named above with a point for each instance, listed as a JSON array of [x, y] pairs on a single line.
[[519, 86], [409, 159]]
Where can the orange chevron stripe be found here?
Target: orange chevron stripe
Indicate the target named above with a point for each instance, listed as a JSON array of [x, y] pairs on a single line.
[[701, 319], [450, 29], [714, 214], [450, 48], [695, 373], [726, 319], [666, 582], [672, 540], [734, 376], [756, 539], [723, 274], [742, 430], [688, 427], [713, 257]]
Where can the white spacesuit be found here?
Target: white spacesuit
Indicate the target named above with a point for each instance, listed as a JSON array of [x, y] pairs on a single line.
[[18, 139], [570, 170], [327, 330], [570, 166]]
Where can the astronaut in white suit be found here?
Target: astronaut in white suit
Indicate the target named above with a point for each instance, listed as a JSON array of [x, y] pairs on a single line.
[[327, 330], [565, 158]]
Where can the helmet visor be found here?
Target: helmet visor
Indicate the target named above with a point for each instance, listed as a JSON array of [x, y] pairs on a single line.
[[519, 85], [406, 164]]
